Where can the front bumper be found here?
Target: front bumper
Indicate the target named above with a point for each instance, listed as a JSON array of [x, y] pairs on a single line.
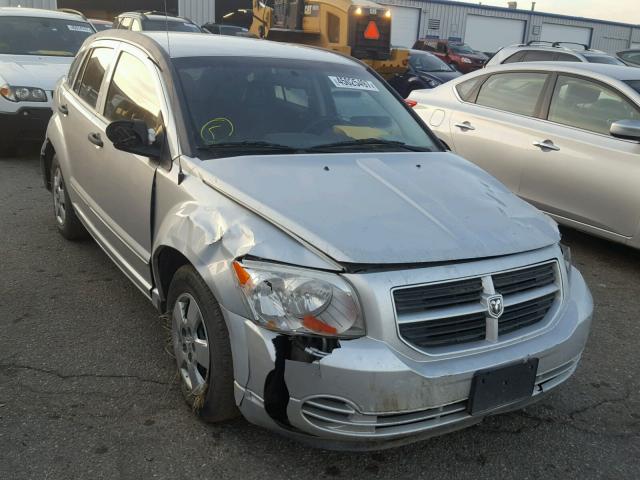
[[366, 394], [26, 125]]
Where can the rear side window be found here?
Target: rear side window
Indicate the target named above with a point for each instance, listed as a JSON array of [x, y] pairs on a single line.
[[539, 56], [96, 66], [513, 92], [587, 105], [466, 89], [132, 93], [516, 57], [566, 57]]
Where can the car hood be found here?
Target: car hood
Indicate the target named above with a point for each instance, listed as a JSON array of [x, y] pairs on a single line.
[[388, 208], [33, 71]]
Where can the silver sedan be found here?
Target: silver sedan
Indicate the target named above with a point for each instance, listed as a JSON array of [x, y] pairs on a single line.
[[563, 136]]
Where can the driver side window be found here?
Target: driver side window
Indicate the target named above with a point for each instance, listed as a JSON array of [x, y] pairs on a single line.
[[587, 105], [132, 93]]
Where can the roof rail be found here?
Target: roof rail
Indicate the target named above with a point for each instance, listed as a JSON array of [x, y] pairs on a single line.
[[539, 42], [560, 44], [72, 12]]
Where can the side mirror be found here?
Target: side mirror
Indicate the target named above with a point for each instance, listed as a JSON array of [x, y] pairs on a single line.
[[133, 136], [626, 129]]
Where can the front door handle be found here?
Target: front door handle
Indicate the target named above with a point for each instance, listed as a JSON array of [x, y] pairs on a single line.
[[465, 126], [547, 146], [63, 109], [96, 139]]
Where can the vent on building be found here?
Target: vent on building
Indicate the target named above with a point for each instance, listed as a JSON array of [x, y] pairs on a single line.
[[434, 24]]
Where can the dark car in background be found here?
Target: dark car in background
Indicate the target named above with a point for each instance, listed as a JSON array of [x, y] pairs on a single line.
[[457, 54], [630, 57], [425, 71]]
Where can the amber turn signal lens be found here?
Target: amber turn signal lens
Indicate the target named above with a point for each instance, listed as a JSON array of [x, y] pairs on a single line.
[[241, 273], [315, 325]]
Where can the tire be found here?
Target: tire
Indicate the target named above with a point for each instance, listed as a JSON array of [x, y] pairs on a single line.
[[207, 388], [69, 225]]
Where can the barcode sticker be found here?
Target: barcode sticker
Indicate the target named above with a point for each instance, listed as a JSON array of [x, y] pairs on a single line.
[[353, 83]]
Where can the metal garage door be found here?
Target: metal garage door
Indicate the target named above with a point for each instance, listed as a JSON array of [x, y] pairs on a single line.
[[552, 32], [489, 34], [405, 23]]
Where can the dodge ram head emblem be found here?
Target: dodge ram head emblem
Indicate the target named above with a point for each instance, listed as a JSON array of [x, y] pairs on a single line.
[[495, 306]]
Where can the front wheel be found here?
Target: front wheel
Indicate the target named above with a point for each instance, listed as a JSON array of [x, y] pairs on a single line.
[[201, 347]]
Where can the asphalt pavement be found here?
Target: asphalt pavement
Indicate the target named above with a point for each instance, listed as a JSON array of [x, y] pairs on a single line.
[[87, 390]]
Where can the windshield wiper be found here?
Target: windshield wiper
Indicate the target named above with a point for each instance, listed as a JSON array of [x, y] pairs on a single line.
[[366, 142], [250, 146]]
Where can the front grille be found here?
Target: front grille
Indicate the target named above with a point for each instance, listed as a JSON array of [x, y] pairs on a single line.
[[338, 416], [524, 314], [456, 312], [445, 331], [525, 279], [419, 299]]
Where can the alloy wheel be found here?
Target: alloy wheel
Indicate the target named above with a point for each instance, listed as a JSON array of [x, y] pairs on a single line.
[[191, 344], [59, 198]]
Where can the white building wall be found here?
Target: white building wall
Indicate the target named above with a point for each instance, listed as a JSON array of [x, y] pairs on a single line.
[[200, 11], [609, 37], [48, 4]]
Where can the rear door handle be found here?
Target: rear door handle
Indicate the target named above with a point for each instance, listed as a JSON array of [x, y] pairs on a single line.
[[547, 146], [63, 109], [96, 139], [465, 126]]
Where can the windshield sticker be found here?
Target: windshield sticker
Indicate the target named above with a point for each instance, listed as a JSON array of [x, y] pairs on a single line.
[[353, 83], [79, 28]]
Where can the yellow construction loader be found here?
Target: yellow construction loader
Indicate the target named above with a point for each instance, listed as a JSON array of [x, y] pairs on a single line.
[[359, 28]]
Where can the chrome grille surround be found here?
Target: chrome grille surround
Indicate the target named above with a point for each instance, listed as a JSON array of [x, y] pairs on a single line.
[[532, 295]]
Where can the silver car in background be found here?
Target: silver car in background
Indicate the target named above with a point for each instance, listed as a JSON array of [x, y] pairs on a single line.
[[328, 270], [563, 136]]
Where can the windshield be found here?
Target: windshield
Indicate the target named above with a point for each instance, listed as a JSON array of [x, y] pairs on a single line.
[[293, 104], [462, 49], [635, 84], [428, 63], [42, 36], [170, 25], [603, 59]]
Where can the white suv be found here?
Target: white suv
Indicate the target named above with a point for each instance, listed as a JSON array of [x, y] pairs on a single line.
[[538, 51], [36, 49]]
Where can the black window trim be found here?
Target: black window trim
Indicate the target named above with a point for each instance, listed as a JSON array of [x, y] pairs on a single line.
[[546, 107]]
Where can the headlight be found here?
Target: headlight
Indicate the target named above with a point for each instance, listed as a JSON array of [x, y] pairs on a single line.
[[431, 82], [466, 60], [23, 94], [568, 260], [296, 301]]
